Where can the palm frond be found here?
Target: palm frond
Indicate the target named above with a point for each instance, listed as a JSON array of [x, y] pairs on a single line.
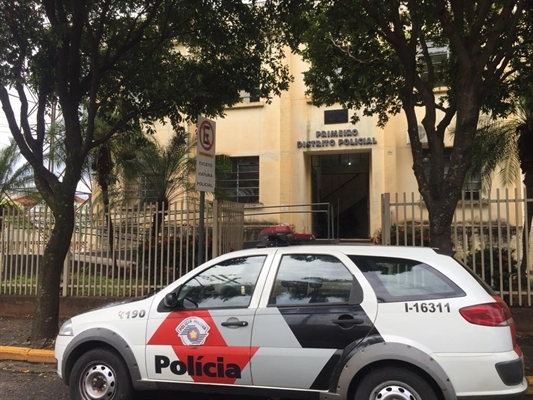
[[16, 176], [166, 168], [495, 149]]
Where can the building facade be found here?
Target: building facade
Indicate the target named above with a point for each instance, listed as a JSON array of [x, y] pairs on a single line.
[[310, 167]]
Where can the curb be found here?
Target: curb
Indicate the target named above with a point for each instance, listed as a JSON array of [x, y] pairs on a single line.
[[47, 356], [27, 354]]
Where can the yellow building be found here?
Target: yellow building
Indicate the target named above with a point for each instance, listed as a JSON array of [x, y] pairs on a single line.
[[290, 154]]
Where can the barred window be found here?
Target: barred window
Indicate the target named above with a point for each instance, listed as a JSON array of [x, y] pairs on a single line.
[[241, 183], [472, 184], [247, 97], [143, 188]]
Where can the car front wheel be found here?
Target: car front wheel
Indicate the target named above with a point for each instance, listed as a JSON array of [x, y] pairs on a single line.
[[394, 383], [100, 374]]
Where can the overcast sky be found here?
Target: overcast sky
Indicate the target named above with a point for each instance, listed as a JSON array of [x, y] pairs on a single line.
[[5, 133]]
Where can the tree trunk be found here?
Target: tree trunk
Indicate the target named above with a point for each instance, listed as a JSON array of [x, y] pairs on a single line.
[[528, 181], [440, 222], [525, 144], [107, 216], [159, 216], [46, 316], [110, 230], [103, 166]]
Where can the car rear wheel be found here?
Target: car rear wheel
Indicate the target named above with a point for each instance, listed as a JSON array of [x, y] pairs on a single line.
[[393, 383], [100, 374]]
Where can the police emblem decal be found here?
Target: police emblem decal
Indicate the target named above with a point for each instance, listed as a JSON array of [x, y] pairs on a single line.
[[193, 331]]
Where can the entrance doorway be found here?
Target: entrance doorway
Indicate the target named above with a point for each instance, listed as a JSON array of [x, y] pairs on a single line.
[[343, 181]]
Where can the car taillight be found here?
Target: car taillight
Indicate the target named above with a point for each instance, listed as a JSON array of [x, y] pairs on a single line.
[[488, 314], [492, 314]]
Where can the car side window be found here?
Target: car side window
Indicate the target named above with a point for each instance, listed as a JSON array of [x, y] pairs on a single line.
[[230, 283], [399, 279], [311, 279]]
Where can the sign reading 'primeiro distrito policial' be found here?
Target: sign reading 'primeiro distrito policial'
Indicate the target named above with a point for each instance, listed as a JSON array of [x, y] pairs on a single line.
[[337, 138]]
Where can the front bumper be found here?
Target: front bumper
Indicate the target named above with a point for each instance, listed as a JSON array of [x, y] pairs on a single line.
[[59, 351]]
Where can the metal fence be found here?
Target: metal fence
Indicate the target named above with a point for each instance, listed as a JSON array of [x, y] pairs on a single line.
[[131, 252], [487, 235], [126, 252]]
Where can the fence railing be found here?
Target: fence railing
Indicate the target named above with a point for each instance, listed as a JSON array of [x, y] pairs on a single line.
[[488, 235], [126, 252]]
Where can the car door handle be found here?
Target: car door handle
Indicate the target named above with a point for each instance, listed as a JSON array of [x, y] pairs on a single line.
[[235, 323], [354, 321]]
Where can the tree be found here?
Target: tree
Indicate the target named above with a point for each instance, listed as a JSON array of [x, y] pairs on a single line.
[[495, 149], [447, 59], [107, 164], [507, 146], [131, 63], [164, 169]]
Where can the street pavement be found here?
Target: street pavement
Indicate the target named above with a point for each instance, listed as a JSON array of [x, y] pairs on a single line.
[[39, 364], [24, 380]]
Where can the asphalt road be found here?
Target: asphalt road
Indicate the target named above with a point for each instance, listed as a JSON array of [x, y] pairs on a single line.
[[28, 381], [27, 386]]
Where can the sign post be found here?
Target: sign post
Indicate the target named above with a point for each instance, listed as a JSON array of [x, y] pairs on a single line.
[[205, 172]]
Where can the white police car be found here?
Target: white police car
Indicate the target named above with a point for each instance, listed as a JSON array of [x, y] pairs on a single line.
[[323, 322]]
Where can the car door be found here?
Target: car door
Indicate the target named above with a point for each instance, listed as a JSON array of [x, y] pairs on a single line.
[[207, 338], [318, 305]]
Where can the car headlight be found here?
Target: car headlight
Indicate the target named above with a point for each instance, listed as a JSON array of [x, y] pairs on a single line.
[[66, 329]]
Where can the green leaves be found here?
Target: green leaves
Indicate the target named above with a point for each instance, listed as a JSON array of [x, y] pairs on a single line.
[[164, 168], [440, 62]]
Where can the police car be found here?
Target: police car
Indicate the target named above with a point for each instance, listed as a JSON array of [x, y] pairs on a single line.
[[323, 322]]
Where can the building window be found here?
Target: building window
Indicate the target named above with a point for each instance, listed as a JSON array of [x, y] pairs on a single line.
[[336, 116], [472, 184], [249, 97], [439, 57], [143, 188], [241, 183]]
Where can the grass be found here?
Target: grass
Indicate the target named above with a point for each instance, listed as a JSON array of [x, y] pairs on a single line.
[[81, 285]]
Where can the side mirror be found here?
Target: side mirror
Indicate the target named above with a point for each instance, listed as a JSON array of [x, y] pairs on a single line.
[[171, 300]]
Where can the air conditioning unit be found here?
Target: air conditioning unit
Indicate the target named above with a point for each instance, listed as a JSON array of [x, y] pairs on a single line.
[[421, 134]]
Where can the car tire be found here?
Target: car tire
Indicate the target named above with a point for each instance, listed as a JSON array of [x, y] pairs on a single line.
[[100, 374], [394, 383]]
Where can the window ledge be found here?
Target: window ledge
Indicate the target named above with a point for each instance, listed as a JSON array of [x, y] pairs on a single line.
[[253, 205], [255, 104], [462, 203], [467, 202]]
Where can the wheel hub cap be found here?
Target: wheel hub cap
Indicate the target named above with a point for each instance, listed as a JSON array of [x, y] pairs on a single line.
[[99, 382], [394, 392]]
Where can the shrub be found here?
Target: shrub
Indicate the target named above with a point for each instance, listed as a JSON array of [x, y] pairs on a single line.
[[508, 266], [400, 236], [169, 256]]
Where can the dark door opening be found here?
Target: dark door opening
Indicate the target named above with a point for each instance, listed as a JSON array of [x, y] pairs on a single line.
[[343, 181]]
